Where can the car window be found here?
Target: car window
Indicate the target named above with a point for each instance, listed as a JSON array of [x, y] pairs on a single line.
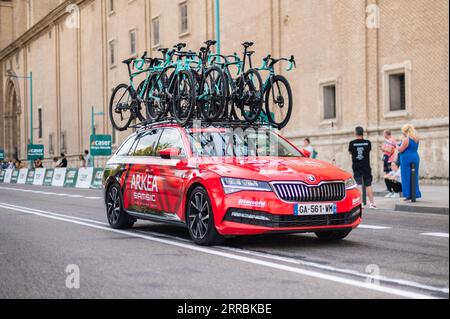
[[126, 146], [146, 144], [171, 138]]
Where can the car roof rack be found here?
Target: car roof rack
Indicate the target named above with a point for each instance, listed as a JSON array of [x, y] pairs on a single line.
[[203, 124]]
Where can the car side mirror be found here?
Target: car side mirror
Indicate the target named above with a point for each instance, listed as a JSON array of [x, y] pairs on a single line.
[[169, 153]]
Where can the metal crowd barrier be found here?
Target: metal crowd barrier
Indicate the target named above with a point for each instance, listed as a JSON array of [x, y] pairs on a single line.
[[59, 177]]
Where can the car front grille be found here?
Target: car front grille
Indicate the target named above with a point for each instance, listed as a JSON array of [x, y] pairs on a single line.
[[258, 218], [299, 192]]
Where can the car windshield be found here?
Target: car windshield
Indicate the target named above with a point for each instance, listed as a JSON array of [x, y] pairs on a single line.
[[239, 143]]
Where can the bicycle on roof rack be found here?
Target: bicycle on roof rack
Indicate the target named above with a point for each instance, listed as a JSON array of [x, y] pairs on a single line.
[[185, 85], [244, 94], [126, 100], [174, 85], [278, 99]]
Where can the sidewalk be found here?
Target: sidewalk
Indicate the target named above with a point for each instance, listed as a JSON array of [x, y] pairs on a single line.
[[435, 200]]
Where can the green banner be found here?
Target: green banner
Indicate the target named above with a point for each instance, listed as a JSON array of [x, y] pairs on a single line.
[[48, 179], [35, 151], [101, 145], [30, 177], [2, 175], [71, 177], [97, 180], [15, 176], [2, 154]]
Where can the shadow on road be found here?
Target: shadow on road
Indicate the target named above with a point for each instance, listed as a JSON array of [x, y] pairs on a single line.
[[250, 242]]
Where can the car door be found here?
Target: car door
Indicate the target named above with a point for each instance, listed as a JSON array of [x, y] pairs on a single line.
[[171, 170], [141, 192]]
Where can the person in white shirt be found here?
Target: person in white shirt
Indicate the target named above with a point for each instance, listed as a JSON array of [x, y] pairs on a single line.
[[393, 181]]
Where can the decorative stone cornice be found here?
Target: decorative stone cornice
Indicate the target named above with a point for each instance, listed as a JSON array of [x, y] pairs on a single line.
[[49, 20]]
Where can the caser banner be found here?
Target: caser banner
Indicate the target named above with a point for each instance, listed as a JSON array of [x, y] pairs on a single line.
[[8, 174], [84, 179], [59, 177], [23, 173], [39, 176]]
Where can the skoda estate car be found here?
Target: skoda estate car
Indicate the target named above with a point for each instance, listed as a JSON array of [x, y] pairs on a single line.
[[225, 181]]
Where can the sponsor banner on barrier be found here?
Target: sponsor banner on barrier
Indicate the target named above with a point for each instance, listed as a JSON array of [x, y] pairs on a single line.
[[8, 174], [30, 177], [39, 176], [23, 173], [14, 176], [71, 177], [2, 155], [84, 179], [59, 177], [97, 179], [48, 179], [2, 175]]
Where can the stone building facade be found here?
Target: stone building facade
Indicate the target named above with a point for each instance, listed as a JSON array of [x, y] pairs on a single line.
[[375, 63]]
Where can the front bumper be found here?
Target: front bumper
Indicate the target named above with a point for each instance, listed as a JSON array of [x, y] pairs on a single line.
[[267, 213]]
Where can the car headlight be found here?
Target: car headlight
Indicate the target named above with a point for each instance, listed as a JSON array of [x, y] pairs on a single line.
[[350, 183], [234, 185]]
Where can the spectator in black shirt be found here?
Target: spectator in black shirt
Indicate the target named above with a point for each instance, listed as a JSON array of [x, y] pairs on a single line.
[[362, 171], [63, 161]]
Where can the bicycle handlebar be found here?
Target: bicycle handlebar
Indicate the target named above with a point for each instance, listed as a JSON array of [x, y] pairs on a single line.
[[269, 62]]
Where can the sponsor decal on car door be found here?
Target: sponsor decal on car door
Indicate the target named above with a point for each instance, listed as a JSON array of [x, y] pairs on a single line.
[[171, 167], [141, 183]]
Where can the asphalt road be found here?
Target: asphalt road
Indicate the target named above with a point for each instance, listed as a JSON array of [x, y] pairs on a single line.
[[44, 230]]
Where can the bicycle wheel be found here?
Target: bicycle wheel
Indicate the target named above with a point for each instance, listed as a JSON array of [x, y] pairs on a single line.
[[138, 109], [213, 94], [279, 101], [156, 104], [251, 99], [120, 107], [184, 97]]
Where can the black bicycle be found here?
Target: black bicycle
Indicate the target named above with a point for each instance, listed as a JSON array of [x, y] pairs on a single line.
[[278, 97], [126, 101], [244, 93]]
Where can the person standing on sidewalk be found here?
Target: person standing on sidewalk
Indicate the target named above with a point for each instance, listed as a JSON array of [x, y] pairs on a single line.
[[360, 150], [389, 148], [409, 155]]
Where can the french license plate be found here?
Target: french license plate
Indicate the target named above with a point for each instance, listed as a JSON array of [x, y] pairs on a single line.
[[315, 209]]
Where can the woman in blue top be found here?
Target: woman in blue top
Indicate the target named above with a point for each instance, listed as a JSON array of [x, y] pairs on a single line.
[[409, 155]]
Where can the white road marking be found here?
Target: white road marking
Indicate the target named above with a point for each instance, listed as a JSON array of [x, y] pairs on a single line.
[[374, 227], [48, 193], [445, 235], [216, 252], [366, 276]]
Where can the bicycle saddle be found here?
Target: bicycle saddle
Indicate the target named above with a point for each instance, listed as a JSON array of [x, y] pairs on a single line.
[[210, 42], [180, 46], [163, 50], [247, 44]]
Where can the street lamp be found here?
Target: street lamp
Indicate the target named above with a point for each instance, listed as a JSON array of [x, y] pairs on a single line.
[[93, 115], [218, 26]]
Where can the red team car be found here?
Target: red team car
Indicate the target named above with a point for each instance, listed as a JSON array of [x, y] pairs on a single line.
[[227, 181]]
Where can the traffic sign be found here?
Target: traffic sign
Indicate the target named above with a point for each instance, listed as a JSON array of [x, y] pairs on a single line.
[[35, 151], [101, 145]]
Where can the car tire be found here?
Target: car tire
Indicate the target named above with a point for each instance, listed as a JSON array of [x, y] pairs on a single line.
[[333, 234], [200, 219], [116, 215]]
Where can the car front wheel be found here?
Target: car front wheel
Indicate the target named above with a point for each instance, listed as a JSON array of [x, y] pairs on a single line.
[[333, 234], [200, 219], [117, 217]]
